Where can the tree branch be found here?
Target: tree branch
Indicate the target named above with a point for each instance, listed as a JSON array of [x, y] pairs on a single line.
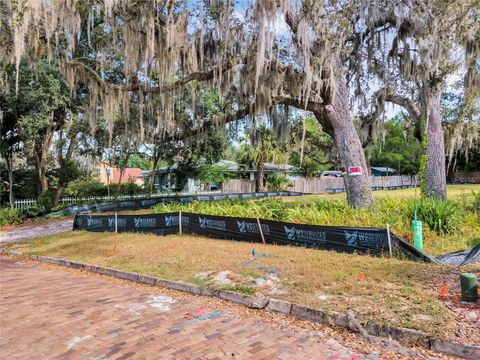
[[407, 104], [199, 76]]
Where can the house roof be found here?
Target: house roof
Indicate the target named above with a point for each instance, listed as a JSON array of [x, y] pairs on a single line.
[[128, 174], [231, 166]]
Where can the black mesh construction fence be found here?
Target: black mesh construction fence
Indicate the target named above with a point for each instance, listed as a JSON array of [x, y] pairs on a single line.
[[145, 203], [343, 239]]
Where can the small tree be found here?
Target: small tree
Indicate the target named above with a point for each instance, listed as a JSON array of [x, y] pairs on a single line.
[[261, 148]]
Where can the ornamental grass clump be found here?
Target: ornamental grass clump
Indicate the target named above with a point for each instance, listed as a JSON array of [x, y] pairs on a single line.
[[271, 209], [442, 216]]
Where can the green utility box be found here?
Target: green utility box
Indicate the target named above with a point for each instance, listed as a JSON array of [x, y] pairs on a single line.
[[469, 286]]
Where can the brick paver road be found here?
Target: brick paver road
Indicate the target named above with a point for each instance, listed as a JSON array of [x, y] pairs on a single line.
[[54, 313]]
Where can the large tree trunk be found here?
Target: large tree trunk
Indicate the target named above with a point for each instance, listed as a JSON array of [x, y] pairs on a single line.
[[260, 172], [59, 193], [41, 156], [435, 172], [119, 183], [152, 175], [41, 165], [349, 148], [10, 178], [63, 182]]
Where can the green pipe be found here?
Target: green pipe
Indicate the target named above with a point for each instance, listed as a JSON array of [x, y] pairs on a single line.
[[469, 286], [417, 234]]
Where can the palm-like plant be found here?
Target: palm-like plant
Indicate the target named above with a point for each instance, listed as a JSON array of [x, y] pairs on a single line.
[[260, 149]]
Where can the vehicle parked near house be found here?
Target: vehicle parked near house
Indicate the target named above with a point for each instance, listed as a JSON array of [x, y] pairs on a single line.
[[331, 173]]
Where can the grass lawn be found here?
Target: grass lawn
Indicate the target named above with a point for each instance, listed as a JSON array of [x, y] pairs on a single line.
[[453, 192], [383, 290]]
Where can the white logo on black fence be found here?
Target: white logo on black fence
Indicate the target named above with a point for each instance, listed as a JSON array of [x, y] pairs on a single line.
[[251, 227], [127, 204], [211, 223], [172, 220], [304, 235], [148, 202], [360, 238], [144, 222], [91, 222], [121, 222]]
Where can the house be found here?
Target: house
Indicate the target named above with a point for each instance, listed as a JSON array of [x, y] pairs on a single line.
[[167, 179], [382, 171], [110, 174]]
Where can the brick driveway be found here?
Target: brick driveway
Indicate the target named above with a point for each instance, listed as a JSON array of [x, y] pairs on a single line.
[[53, 313]]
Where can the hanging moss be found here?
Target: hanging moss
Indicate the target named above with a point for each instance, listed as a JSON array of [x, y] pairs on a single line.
[[145, 46]]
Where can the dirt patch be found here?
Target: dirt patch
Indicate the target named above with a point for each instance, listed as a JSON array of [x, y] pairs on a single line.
[[227, 279], [466, 315]]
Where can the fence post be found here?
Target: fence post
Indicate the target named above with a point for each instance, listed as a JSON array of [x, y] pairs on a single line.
[[116, 227], [260, 229], [389, 240], [180, 222]]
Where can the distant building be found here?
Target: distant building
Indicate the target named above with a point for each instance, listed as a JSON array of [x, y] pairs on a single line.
[[166, 178], [111, 174], [382, 171]]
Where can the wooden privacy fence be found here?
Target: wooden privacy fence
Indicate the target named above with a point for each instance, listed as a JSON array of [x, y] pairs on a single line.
[[317, 185], [331, 184], [328, 184], [236, 186], [393, 182]]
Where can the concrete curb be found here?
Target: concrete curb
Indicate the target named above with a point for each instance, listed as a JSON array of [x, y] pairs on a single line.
[[403, 335]]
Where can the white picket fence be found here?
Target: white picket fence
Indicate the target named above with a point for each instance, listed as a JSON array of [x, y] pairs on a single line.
[[28, 203], [25, 203]]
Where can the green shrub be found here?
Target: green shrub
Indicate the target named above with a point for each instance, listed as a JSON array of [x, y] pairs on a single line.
[[276, 182], [128, 188], [10, 216], [86, 186], [45, 201], [442, 216]]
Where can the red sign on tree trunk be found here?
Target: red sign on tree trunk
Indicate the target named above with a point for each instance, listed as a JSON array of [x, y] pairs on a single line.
[[355, 171]]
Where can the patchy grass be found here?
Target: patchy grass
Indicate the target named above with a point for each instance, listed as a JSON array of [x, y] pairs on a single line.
[[383, 290]]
